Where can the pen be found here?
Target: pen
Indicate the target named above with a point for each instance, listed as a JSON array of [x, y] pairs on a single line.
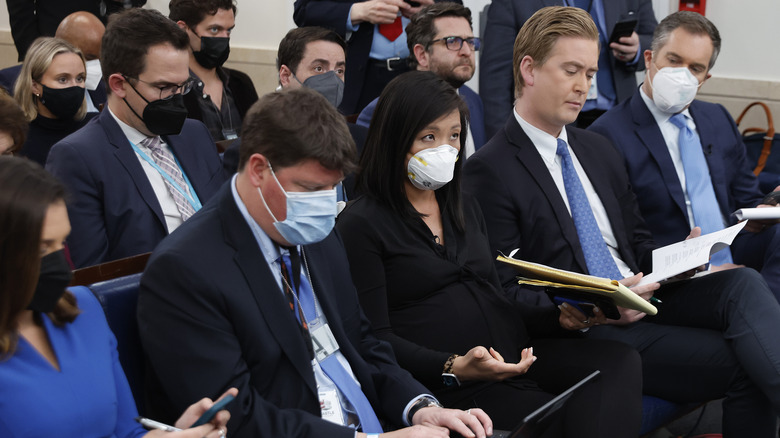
[[655, 300], [151, 424]]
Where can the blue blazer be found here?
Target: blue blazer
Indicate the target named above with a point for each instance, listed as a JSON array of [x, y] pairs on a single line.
[[476, 115], [211, 316], [634, 132], [113, 210], [506, 17]]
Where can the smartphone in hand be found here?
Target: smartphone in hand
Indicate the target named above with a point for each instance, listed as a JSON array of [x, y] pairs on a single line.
[[209, 414], [623, 28]]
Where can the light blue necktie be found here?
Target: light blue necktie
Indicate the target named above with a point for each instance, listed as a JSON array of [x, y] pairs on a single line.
[[706, 211], [597, 257], [331, 366]]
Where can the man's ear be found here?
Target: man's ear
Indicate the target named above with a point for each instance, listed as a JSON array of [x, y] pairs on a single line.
[[182, 25], [116, 83], [255, 169], [648, 59], [422, 56], [285, 76], [527, 66]]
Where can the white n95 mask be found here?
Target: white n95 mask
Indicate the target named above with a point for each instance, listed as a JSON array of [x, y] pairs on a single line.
[[94, 74], [432, 168], [674, 88]]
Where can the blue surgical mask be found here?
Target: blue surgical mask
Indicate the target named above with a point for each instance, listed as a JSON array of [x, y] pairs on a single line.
[[310, 215]]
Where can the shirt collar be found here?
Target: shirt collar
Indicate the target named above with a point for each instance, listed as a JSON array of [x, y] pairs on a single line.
[[133, 135], [546, 144]]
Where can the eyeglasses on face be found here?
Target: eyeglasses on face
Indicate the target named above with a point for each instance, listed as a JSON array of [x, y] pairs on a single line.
[[167, 91], [456, 42]]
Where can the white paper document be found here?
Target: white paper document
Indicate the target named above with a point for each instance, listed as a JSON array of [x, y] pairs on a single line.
[[683, 256], [757, 213]]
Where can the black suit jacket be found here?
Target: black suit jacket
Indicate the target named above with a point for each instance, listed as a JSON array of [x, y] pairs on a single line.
[[523, 208], [506, 17], [212, 316]]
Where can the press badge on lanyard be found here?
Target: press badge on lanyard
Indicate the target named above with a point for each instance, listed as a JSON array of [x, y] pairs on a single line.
[[324, 344]]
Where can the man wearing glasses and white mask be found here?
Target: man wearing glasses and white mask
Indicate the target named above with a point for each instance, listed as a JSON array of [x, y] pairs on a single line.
[[141, 169], [441, 40]]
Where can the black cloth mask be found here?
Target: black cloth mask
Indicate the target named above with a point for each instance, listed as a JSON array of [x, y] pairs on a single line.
[[62, 102], [53, 278], [162, 116], [214, 51]]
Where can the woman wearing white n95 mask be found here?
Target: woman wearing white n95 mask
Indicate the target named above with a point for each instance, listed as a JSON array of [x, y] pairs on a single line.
[[422, 265]]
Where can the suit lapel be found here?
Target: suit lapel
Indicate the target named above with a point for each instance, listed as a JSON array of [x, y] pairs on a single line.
[[187, 160], [530, 158], [264, 289], [129, 160], [650, 136]]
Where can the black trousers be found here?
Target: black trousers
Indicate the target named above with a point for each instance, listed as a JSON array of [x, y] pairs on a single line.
[[715, 336], [610, 406]]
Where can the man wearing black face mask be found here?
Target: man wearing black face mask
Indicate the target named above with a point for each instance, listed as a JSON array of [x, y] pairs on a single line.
[[221, 96], [141, 168]]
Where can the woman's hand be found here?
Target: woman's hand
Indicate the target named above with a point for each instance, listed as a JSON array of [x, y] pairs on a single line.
[[216, 428], [483, 364]]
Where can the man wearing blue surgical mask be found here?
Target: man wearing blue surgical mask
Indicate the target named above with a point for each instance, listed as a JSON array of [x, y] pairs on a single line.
[[221, 96], [690, 147], [262, 281]]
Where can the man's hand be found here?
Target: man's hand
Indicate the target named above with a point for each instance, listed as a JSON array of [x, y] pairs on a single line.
[[626, 47], [646, 291], [472, 423], [216, 428], [572, 319], [411, 11], [377, 11], [483, 364]]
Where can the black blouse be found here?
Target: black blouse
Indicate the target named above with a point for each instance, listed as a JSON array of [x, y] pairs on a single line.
[[45, 132], [428, 300]]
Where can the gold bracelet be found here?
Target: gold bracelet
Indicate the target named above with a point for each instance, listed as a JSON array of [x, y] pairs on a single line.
[[448, 364]]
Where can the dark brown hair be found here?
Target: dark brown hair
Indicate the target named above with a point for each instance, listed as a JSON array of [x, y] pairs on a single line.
[[193, 12], [293, 45], [27, 192], [421, 29], [129, 36], [12, 121], [693, 23], [291, 126]]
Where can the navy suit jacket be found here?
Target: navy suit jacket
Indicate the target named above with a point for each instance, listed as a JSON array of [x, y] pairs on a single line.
[[476, 115], [632, 128], [523, 208], [212, 316], [113, 210], [506, 17]]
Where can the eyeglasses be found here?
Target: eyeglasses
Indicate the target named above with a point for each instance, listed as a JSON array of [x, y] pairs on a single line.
[[168, 91], [456, 42]]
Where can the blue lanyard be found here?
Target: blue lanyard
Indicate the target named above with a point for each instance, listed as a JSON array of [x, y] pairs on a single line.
[[193, 200]]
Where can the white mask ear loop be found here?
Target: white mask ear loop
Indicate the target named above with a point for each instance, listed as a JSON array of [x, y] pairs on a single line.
[[262, 198]]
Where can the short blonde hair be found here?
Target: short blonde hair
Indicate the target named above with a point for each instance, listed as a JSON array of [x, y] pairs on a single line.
[[36, 62], [540, 33]]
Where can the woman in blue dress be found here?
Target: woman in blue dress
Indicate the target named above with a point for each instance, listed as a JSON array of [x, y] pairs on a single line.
[[59, 369]]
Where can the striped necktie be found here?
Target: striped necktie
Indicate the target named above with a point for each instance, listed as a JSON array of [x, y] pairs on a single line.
[[164, 158]]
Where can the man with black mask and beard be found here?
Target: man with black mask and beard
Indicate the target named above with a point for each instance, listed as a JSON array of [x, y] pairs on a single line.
[[441, 40], [140, 169], [221, 96]]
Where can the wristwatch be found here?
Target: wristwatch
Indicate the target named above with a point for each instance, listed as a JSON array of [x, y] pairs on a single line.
[[423, 402], [450, 379]]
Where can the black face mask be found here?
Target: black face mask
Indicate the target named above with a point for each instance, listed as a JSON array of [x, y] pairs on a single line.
[[62, 102], [163, 116], [214, 51], [52, 280]]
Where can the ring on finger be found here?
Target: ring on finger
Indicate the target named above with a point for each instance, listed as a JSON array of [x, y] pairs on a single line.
[[468, 411], [221, 433], [587, 321]]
